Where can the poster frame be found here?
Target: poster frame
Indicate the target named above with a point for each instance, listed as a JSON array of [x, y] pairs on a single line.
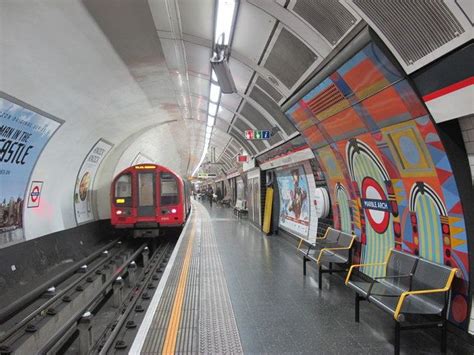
[[94, 212], [12, 99]]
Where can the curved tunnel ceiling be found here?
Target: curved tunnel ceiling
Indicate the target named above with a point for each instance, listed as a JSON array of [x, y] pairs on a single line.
[[113, 69]]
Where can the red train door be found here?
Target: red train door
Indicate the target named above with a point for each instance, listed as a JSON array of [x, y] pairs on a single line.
[[146, 194]]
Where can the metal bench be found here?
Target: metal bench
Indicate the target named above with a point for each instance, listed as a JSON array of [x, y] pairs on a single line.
[[240, 208], [225, 202], [412, 286], [334, 248]]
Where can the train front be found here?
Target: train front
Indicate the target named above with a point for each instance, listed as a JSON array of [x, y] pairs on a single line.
[[147, 198]]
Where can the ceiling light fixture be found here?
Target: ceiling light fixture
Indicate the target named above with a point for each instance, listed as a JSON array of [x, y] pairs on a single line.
[[211, 120], [212, 109], [220, 71], [215, 93]]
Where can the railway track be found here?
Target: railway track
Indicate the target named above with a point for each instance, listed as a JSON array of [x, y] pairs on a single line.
[[88, 311]]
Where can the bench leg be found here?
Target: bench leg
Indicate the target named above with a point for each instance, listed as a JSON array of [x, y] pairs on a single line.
[[357, 307], [320, 278], [304, 265], [444, 335], [330, 268], [396, 346]]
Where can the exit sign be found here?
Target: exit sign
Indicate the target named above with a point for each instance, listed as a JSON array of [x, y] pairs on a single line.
[[251, 134]]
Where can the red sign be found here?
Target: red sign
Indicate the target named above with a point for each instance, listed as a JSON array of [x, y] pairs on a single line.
[[242, 158], [35, 193]]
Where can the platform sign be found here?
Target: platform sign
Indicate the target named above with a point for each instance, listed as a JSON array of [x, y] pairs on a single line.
[[251, 134], [24, 132], [242, 158], [35, 194], [85, 181], [206, 175]]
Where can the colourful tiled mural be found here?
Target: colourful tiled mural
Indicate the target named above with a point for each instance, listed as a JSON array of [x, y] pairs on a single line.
[[387, 171]]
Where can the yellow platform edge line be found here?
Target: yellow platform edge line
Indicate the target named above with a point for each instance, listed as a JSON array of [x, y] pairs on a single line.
[[169, 346]]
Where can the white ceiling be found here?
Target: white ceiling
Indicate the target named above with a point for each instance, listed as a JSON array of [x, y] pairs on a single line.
[[109, 69]]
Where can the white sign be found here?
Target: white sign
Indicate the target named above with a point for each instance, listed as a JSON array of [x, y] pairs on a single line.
[[141, 159], [34, 194], [85, 181], [291, 158]]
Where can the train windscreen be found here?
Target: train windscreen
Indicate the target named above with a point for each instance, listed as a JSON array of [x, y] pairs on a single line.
[[123, 190], [169, 190]]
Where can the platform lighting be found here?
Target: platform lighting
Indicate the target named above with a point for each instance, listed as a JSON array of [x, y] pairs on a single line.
[[220, 69], [225, 15], [212, 109], [215, 92], [211, 120]]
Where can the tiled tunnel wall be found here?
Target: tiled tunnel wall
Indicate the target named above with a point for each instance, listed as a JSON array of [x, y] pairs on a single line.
[[389, 177], [467, 128]]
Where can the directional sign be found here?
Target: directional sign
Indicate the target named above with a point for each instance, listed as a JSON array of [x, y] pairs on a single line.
[[251, 134], [35, 194]]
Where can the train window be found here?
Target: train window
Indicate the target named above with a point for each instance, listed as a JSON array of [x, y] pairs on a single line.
[[146, 189], [123, 190], [169, 190]]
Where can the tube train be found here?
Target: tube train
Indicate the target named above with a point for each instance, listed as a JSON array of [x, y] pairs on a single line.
[[148, 198]]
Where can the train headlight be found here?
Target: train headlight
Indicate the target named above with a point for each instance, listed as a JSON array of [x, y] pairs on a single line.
[[173, 210], [118, 212]]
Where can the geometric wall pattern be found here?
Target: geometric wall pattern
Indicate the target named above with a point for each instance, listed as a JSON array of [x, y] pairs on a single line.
[[387, 171]]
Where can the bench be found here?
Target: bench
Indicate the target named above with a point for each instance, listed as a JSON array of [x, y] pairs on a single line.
[[411, 287], [225, 202], [240, 208], [334, 248]]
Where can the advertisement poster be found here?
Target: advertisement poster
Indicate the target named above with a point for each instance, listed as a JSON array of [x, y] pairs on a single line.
[[294, 200], [23, 135], [85, 181]]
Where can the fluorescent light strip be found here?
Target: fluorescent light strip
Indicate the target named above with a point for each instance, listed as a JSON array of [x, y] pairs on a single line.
[[211, 120], [215, 93], [225, 15], [212, 109]]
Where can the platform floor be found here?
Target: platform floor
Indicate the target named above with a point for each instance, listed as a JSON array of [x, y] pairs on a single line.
[[232, 289]]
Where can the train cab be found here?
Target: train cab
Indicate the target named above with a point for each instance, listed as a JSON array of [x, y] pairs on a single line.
[[147, 198]]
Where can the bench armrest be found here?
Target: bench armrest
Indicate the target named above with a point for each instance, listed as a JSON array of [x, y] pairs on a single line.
[[406, 294], [336, 248], [356, 266], [323, 250]]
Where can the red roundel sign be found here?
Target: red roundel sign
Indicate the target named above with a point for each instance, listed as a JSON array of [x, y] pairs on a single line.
[[375, 204], [35, 193]]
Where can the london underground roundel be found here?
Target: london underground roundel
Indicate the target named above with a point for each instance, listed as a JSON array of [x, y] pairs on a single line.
[[375, 204]]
